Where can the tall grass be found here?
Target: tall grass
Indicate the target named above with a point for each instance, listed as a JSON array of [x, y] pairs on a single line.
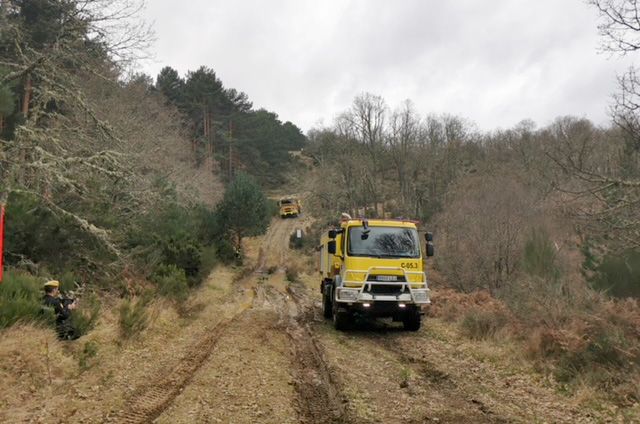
[[21, 299], [479, 323]]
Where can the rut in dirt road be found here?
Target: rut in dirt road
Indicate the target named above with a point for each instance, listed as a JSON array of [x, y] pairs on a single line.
[[151, 400], [471, 409], [320, 399], [319, 396]]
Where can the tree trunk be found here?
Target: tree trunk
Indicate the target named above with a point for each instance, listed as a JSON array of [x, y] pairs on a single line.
[[27, 95]]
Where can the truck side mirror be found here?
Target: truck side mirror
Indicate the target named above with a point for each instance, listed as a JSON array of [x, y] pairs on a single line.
[[332, 234], [428, 236], [331, 247], [430, 249]]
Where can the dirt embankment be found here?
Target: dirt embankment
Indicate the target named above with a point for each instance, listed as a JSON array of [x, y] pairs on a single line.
[[256, 349]]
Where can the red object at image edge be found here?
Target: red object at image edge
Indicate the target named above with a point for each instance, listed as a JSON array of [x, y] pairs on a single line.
[[1, 240]]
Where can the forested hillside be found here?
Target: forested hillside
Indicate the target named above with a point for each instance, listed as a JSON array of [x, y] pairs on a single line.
[[224, 127], [107, 174]]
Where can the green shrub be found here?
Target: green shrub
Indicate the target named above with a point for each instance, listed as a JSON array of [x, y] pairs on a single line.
[[173, 234], [85, 316], [46, 239], [539, 256], [184, 253], [133, 317], [292, 273], [86, 357], [243, 211], [209, 259], [227, 253], [171, 282], [481, 324], [619, 275], [21, 300]]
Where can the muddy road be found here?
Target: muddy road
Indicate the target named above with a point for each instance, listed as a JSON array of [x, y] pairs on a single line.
[[252, 347], [261, 364], [273, 359]]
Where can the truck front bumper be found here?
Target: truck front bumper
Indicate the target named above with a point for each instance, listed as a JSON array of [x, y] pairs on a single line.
[[375, 291], [408, 296]]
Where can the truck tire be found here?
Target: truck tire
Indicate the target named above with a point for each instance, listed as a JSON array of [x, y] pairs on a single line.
[[340, 319], [327, 304], [412, 321]]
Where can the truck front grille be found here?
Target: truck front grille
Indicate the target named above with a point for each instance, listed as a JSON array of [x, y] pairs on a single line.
[[390, 278], [388, 289]]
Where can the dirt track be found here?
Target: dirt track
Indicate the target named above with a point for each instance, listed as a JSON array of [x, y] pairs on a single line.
[[254, 348], [275, 360], [263, 364]]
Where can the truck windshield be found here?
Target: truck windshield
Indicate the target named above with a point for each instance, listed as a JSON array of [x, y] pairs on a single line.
[[384, 242], [286, 202]]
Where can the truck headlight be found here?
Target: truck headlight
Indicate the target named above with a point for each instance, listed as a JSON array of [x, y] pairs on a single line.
[[420, 296], [348, 295]]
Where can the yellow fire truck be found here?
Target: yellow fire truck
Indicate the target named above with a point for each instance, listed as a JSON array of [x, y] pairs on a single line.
[[289, 206], [374, 267]]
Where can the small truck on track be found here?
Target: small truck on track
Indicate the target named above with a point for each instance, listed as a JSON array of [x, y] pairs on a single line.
[[374, 267], [289, 206]]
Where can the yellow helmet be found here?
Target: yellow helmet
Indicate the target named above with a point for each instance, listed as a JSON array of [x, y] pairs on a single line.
[[52, 283]]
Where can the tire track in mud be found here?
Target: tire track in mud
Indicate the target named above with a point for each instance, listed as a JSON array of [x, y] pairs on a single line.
[[150, 401], [466, 408], [483, 402], [320, 398], [319, 389], [276, 241]]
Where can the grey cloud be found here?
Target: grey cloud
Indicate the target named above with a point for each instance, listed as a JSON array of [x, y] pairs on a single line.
[[495, 63]]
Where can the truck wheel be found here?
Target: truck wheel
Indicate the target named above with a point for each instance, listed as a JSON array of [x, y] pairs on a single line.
[[327, 305], [340, 319], [411, 321]]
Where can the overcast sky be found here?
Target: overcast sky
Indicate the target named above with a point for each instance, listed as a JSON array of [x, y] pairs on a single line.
[[493, 62]]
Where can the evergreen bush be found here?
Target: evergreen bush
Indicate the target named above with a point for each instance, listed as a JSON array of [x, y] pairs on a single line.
[[172, 282], [21, 300]]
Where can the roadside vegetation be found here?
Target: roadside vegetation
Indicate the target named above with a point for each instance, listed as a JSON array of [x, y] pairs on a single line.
[[111, 181], [513, 221], [536, 227]]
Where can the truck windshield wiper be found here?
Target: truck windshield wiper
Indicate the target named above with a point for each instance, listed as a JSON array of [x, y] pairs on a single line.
[[395, 256]]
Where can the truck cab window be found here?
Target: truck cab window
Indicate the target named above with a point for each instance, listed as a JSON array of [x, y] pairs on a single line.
[[390, 242]]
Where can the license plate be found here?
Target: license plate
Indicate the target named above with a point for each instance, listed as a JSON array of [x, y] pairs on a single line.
[[387, 278]]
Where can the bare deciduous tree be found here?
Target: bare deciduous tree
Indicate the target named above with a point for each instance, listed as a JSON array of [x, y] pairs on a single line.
[[620, 24]]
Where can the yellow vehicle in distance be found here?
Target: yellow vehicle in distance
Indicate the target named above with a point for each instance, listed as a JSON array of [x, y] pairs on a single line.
[[289, 206], [374, 268]]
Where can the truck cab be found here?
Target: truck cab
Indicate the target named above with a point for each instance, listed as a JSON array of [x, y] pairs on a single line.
[[374, 268], [289, 206]]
